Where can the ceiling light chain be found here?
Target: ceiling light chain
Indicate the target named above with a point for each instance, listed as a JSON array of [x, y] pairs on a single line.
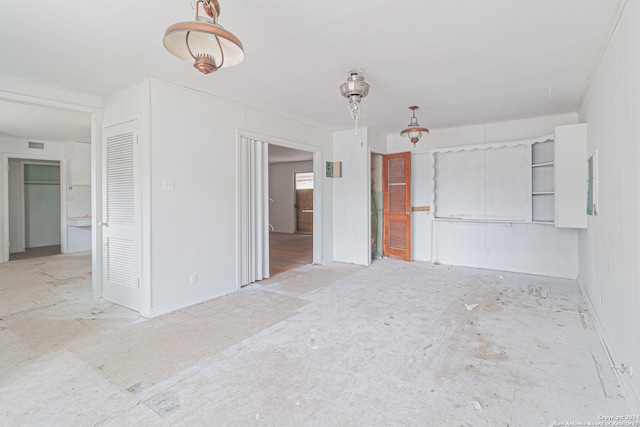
[[354, 90], [353, 107]]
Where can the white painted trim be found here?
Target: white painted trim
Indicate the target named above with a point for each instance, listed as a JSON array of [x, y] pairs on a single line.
[[511, 270], [122, 120], [605, 47], [627, 389], [158, 311], [232, 102], [497, 144], [369, 251], [145, 204], [5, 197], [42, 102], [96, 132], [96, 204]]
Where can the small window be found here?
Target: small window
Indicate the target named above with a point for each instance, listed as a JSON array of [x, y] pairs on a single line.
[[304, 180]]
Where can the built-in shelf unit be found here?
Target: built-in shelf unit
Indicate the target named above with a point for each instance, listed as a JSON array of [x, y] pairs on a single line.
[[542, 182], [558, 177]]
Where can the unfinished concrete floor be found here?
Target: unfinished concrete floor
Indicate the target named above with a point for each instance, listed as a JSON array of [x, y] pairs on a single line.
[[396, 343]]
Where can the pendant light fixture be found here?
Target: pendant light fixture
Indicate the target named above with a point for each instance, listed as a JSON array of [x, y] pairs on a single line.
[[354, 89], [203, 42], [414, 131]]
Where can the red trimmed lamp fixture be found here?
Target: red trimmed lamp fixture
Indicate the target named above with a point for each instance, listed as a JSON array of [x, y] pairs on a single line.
[[414, 131], [203, 42]]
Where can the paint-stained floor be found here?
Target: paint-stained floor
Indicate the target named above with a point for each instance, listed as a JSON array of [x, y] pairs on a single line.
[[393, 344]]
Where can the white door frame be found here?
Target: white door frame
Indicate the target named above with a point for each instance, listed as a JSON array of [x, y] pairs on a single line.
[[5, 199], [318, 169], [96, 119]]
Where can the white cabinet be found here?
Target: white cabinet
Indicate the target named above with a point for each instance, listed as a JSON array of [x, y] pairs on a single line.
[[559, 178], [571, 176]]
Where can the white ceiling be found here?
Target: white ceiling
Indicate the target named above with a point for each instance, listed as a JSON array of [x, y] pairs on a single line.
[[462, 61]]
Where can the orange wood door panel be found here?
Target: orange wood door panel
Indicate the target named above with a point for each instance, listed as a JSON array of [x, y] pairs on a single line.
[[396, 181], [304, 210]]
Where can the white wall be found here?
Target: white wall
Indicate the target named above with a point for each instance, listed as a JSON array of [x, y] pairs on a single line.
[[78, 195], [194, 142], [352, 192], [16, 237], [610, 246], [421, 195], [282, 214], [529, 248]]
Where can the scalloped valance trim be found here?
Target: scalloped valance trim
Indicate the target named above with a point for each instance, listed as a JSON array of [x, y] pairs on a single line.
[[498, 144]]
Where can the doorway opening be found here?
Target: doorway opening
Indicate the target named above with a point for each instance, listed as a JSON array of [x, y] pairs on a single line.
[[304, 202], [377, 201], [35, 210], [291, 208]]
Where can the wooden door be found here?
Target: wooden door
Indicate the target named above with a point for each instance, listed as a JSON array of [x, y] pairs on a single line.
[[121, 233], [304, 210], [396, 188]]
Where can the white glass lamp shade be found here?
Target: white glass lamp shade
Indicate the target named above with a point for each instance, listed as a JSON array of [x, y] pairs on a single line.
[[195, 41], [413, 130]]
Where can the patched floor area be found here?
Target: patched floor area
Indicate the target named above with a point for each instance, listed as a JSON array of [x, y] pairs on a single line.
[[393, 344]]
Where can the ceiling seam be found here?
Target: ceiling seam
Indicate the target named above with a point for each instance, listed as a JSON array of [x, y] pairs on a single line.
[[605, 46]]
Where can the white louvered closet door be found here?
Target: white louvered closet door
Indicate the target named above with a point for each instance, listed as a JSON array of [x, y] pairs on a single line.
[[121, 216]]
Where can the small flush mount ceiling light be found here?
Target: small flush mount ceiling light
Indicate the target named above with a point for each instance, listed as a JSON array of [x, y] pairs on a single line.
[[354, 89], [414, 131], [203, 42]]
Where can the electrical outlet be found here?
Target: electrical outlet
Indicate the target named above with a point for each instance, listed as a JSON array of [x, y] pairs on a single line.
[[168, 184], [193, 278]]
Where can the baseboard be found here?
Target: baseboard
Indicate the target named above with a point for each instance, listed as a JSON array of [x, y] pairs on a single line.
[[626, 389], [158, 311], [553, 274], [41, 244]]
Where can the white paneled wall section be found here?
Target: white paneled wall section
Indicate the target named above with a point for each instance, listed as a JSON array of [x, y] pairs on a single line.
[[352, 194], [610, 246], [511, 246], [194, 221]]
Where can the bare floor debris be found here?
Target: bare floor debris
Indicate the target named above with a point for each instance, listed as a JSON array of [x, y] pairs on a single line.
[[324, 345]]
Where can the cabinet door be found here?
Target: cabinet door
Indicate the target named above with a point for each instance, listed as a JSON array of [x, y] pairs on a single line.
[[571, 176]]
